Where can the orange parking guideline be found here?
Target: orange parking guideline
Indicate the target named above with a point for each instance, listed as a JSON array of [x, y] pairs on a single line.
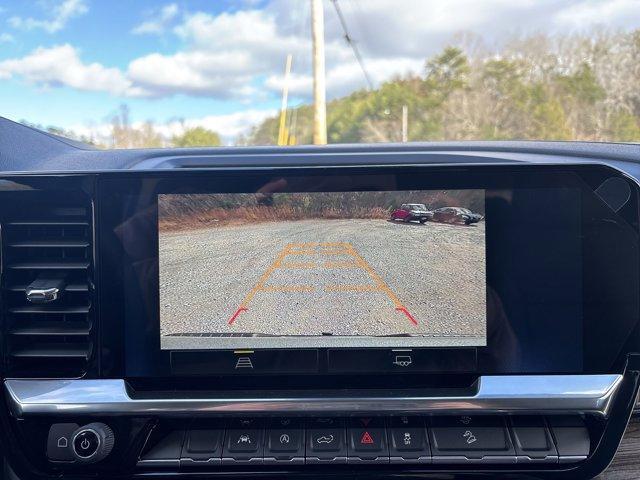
[[376, 278], [321, 248], [352, 288], [286, 288], [263, 279]]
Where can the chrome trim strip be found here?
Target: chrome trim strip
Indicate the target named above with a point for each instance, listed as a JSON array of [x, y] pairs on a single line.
[[495, 394]]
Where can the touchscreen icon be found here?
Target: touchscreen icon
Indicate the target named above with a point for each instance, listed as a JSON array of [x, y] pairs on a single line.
[[403, 360], [244, 362]]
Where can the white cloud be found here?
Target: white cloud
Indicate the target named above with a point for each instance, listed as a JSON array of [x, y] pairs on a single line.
[[6, 38], [221, 74], [225, 55], [61, 66], [60, 15], [240, 54], [234, 53], [587, 13], [159, 21]]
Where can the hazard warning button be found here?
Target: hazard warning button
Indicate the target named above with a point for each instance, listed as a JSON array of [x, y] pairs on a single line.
[[367, 441]]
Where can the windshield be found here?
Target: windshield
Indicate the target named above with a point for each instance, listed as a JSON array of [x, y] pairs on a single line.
[[417, 206], [293, 72]]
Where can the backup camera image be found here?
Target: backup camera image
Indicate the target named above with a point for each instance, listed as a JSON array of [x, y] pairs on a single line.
[[335, 269]]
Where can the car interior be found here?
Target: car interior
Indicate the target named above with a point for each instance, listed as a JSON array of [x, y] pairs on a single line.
[[319, 240], [320, 358]]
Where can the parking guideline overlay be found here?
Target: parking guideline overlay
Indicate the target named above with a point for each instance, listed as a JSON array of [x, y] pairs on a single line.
[[286, 260]]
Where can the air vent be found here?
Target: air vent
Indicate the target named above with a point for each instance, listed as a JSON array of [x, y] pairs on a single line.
[[47, 285]]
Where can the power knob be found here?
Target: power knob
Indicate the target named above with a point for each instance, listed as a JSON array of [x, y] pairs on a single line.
[[92, 443]]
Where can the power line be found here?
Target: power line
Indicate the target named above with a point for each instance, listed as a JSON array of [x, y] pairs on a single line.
[[351, 42]]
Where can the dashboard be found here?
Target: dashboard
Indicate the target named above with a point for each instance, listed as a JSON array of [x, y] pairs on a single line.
[[434, 311]]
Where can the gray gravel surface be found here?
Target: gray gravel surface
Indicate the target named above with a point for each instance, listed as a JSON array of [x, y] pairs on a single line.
[[436, 271]]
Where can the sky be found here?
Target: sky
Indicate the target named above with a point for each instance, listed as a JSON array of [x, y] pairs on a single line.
[[219, 63]]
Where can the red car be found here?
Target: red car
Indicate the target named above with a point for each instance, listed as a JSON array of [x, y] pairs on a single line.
[[411, 212]]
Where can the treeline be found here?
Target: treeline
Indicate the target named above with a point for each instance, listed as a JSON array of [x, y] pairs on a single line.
[[179, 212], [582, 87], [123, 134]]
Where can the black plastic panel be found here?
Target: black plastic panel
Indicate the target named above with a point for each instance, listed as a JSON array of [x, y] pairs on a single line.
[[542, 267]]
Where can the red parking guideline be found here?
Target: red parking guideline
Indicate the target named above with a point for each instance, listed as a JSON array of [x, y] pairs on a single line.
[[409, 316], [235, 315]]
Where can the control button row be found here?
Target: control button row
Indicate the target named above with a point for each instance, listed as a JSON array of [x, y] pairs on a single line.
[[439, 440]]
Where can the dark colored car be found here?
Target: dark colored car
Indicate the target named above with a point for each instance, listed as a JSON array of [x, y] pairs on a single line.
[[455, 215], [411, 212]]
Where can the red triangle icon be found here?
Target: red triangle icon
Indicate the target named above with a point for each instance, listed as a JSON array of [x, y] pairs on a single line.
[[366, 439]]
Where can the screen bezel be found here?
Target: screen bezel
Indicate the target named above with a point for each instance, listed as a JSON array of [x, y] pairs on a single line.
[[113, 187]]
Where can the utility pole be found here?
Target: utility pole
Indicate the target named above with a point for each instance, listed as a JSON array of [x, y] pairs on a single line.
[[319, 93], [282, 131], [405, 123]]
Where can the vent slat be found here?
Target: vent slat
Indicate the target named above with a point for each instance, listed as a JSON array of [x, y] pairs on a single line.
[[50, 266], [53, 350], [61, 223], [51, 329], [48, 242], [48, 310]]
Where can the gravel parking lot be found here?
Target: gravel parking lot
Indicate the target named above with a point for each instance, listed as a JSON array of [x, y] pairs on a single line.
[[334, 282]]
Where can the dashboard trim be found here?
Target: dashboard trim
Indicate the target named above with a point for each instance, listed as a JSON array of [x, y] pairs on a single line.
[[540, 394]]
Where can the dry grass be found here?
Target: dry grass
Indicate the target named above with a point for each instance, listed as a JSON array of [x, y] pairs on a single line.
[[219, 217]]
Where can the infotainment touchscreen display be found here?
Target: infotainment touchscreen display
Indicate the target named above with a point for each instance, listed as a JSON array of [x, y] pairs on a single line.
[[320, 270], [397, 269]]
